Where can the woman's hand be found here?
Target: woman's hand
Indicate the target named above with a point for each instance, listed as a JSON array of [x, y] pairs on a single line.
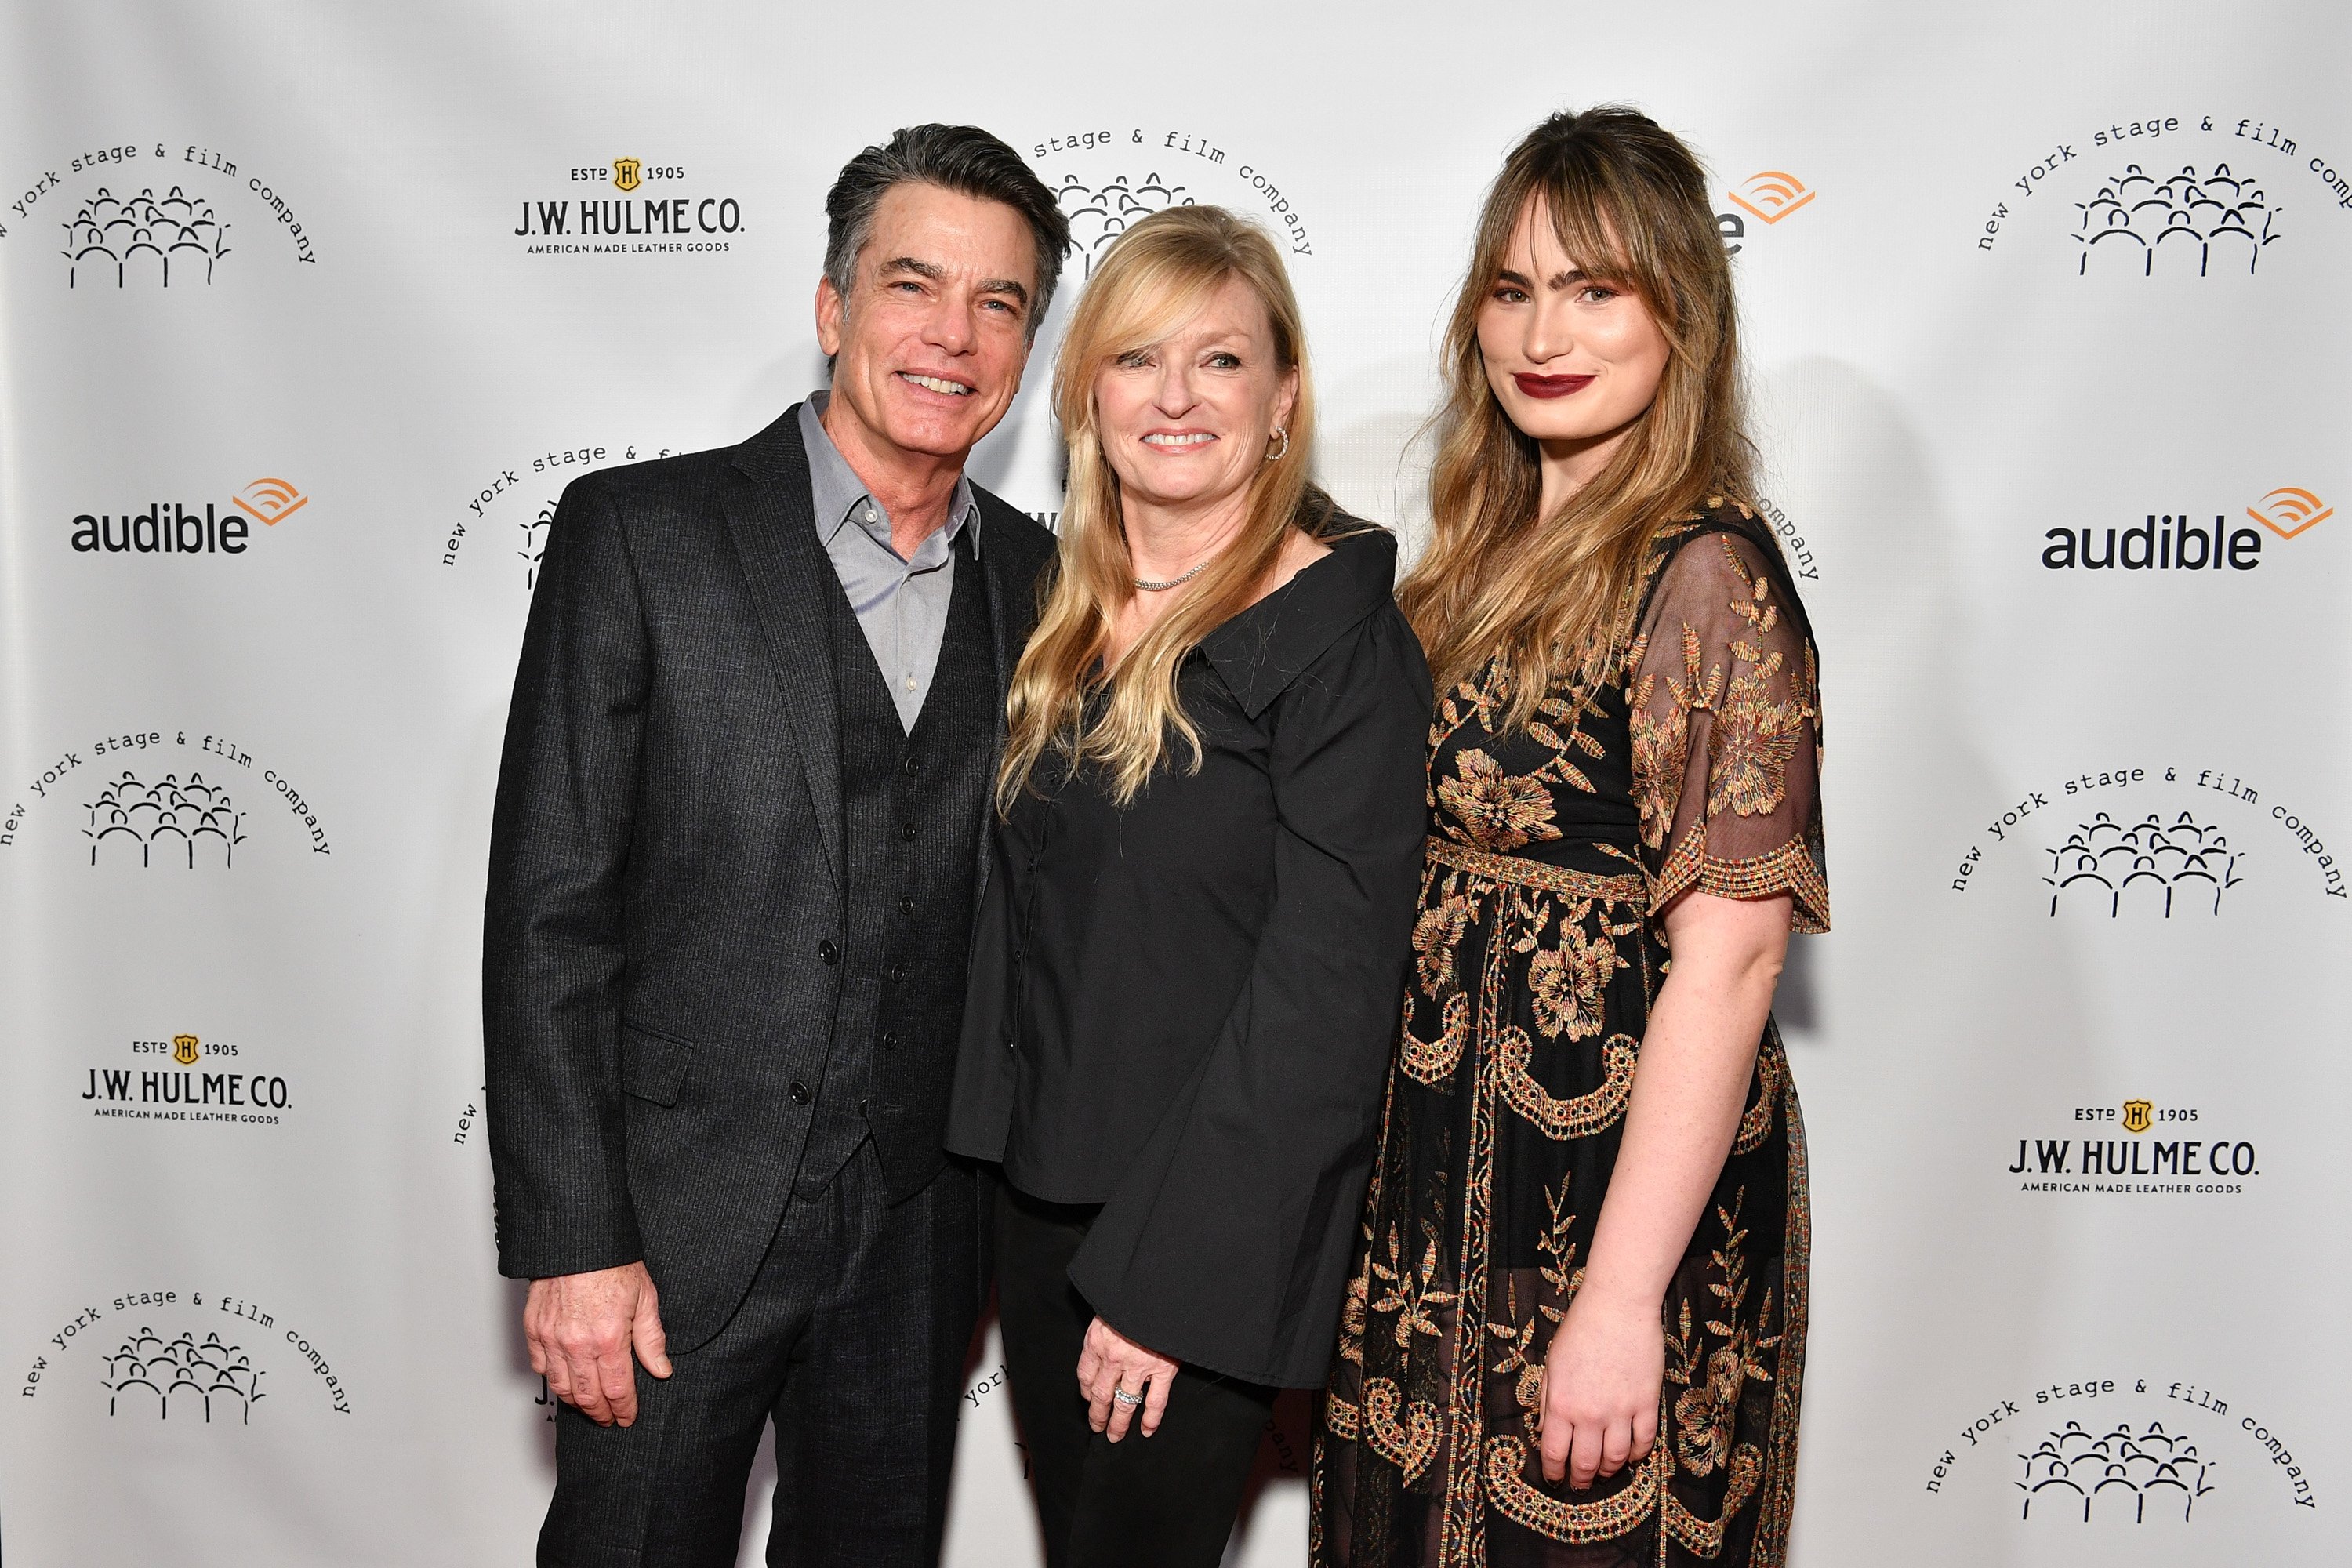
[[1112, 1361], [1601, 1387]]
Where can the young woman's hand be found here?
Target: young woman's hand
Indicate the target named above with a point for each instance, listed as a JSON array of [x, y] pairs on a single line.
[[1113, 1362], [1601, 1387]]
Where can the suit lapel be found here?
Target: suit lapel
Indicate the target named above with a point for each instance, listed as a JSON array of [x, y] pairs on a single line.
[[773, 524]]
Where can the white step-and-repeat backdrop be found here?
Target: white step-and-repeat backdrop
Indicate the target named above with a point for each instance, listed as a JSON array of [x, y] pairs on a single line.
[[311, 311]]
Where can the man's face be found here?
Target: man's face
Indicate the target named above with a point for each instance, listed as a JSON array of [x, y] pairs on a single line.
[[930, 347]]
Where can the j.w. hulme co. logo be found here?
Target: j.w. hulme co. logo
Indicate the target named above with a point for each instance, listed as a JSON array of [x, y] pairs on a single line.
[[682, 215], [175, 528]]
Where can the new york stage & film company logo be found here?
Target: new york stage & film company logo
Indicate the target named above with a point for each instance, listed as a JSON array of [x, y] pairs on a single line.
[[674, 216], [524, 508], [1121, 177], [2167, 1149], [187, 1078], [2116, 1451], [175, 528], [2194, 195], [2149, 843], [187, 1358], [2179, 541], [163, 801], [141, 215]]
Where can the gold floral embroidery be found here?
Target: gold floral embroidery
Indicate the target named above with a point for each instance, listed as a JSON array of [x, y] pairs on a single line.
[[1771, 1075], [1498, 810], [1352, 1320], [1704, 1538], [1411, 1295], [1409, 1444], [1433, 1061], [1343, 1418], [1568, 982], [1580, 1116], [1435, 935], [1571, 1523]]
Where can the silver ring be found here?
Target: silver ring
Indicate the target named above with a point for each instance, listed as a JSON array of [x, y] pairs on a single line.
[[1124, 1397]]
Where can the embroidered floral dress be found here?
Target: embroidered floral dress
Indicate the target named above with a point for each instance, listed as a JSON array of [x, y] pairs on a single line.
[[1538, 955]]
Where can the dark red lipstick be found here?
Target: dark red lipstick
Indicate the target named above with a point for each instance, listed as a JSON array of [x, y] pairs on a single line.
[[1553, 385]]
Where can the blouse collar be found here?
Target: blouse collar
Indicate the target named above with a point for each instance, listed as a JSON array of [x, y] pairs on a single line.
[[1261, 650]]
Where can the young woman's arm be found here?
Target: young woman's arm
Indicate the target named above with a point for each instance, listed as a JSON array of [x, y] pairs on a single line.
[[1607, 1364]]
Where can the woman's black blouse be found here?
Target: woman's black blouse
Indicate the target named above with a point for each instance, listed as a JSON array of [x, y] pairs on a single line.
[[1183, 1010]]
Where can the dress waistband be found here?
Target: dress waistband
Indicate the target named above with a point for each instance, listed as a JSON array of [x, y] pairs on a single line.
[[1625, 887]]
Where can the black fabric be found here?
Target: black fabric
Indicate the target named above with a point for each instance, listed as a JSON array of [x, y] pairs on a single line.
[[669, 872], [913, 804], [1168, 1501], [1182, 1009], [851, 1339]]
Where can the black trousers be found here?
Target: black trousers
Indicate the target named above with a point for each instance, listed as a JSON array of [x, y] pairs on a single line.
[[851, 1341], [1168, 1501]]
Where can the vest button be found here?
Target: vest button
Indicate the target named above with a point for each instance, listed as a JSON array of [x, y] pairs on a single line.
[[798, 1091], [898, 972], [911, 765], [830, 953], [889, 1039], [907, 832], [907, 906]]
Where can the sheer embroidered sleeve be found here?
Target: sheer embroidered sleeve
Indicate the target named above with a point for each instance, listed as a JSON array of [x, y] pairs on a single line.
[[1726, 735]]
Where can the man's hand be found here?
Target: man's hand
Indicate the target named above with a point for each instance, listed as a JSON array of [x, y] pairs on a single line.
[[581, 1329]]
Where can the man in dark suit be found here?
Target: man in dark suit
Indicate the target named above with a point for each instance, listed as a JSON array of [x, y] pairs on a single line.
[[739, 841]]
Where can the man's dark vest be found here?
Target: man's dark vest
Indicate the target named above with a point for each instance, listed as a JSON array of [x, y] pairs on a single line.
[[914, 806]]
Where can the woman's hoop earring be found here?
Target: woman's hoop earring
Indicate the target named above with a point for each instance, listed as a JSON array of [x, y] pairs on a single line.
[[1276, 456]]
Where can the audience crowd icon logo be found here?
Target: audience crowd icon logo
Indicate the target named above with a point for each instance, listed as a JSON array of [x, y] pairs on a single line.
[[151, 1376], [164, 823], [1100, 214], [1107, 182], [2142, 1474], [2188, 224], [2287, 511], [1771, 195], [2149, 867], [144, 240]]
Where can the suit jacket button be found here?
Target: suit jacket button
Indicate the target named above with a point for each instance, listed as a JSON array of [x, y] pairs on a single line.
[[798, 1091], [907, 832], [889, 1039], [830, 953], [898, 972]]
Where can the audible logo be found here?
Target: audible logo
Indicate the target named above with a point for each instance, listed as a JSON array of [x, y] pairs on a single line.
[[181, 531], [1767, 195], [2288, 511], [1771, 195]]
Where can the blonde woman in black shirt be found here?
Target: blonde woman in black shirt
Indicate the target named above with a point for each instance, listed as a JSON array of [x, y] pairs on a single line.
[[1192, 947]]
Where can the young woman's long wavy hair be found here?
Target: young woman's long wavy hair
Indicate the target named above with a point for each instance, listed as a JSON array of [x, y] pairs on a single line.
[[1544, 594], [1154, 278]]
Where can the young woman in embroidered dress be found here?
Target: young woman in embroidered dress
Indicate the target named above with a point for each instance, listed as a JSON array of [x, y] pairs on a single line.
[[1575, 1334]]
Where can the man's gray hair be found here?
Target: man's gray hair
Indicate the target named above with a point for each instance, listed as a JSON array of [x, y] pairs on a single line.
[[960, 158]]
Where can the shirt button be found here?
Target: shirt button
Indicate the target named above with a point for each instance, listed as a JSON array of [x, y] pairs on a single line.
[[907, 832], [827, 951], [870, 514], [911, 683], [798, 1091]]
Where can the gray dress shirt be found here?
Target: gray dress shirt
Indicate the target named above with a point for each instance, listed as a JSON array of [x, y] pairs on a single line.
[[901, 604]]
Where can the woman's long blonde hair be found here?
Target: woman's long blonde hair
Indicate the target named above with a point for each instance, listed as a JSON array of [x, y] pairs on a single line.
[[1544, 594], [1152, 280]]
